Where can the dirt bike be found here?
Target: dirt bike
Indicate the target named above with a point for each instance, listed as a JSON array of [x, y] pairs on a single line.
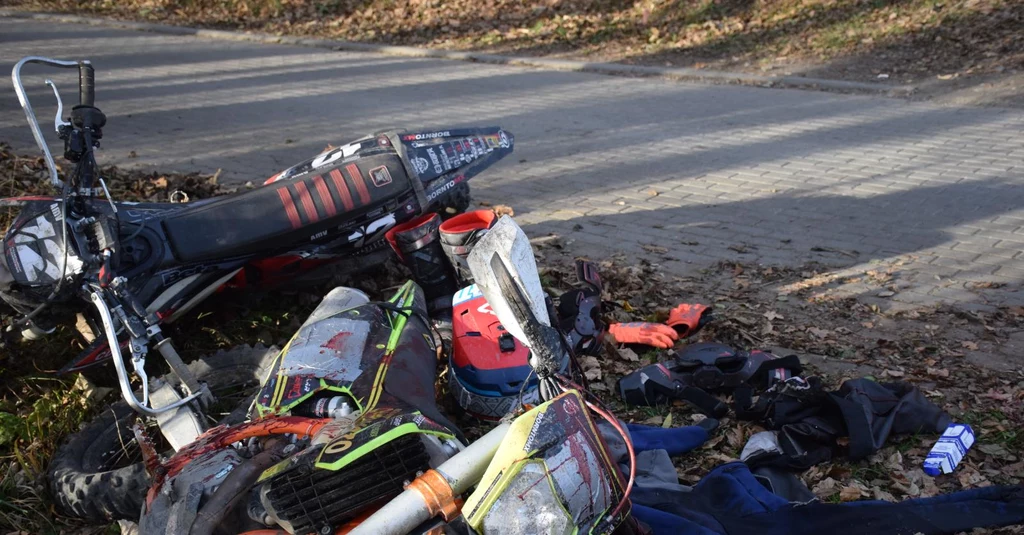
[[345, 437], [139, 266]]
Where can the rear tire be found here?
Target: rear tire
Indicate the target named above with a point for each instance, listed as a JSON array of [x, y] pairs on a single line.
[[455, 201], [81, 480]]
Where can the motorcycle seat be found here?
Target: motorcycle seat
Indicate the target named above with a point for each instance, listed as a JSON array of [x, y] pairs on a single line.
[[271, 217]]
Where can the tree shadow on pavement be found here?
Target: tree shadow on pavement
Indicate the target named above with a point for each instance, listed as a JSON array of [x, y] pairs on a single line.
[[915, 234], [738, 173]]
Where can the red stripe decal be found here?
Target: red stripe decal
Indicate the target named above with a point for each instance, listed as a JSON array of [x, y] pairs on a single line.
[[307, 202], [325, 195], [357, 179], [289, 207], [339, 182]]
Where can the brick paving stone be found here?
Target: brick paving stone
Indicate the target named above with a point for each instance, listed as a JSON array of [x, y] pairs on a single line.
[[732, 165]]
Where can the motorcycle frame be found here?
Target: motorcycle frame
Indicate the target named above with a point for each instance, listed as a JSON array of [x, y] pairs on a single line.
[[173, 300], [162, 287]]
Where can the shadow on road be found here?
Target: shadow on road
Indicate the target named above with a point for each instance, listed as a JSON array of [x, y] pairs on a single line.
[[737, 173]]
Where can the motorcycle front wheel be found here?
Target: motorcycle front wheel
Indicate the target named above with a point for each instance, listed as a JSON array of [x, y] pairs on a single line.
[[98, 474]]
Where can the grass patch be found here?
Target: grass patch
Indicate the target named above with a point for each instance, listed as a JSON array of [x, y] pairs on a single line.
[[30, 428]]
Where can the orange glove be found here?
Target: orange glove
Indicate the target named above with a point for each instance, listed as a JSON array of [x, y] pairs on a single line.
[[640, 332], [688, 318]]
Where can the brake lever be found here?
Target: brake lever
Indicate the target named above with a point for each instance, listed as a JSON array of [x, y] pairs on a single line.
[[30, 114], [123, 379], [58, 121]]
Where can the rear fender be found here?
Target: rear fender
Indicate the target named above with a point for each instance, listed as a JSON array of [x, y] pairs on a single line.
[[95, 354], [28, 199]]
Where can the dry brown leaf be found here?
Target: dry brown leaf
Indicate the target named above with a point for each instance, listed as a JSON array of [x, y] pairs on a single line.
[[818, 333], [880, 494], [503, 209], [849, 494], [894, 462], [969, 477], [996, 450], [713, 442], [656, 249], [735, 437], [654, 420], [628, 354], [826, 487]]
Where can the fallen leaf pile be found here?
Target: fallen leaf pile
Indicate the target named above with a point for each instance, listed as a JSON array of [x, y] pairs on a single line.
[[858, 39], [27, 175], [28, 385], [966, 361], [952, 355]]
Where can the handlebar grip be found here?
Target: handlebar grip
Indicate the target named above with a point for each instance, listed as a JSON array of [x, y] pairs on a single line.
[[86, 84]]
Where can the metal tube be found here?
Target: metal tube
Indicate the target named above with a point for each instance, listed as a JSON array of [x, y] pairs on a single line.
[[178, 366], [408, 510], [467, 467], [33, 123], [122, 374]]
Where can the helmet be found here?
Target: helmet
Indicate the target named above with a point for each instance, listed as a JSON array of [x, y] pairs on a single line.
[[719, 367], [488, 366]]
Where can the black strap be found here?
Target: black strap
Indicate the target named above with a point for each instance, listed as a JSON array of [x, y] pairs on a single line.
[[744, 407], [414, 177], [705, 402]]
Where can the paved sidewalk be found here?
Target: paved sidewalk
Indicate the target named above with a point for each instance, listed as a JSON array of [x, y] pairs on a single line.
[[709, 172]]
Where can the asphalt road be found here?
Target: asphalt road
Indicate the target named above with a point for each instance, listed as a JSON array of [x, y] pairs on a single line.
[[609, 163]]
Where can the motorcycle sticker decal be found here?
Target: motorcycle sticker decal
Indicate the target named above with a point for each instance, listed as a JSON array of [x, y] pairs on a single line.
[[438, 188], [466, 294], [327, 157], [426, 135], [555, 445], [404, 299], [307, 202], [459, 151], [356, 367], [420, 165], [325, 195], [13, 261], [298, 386], [333, 155], [339, 184], [380, 426], [37, 253], [360, 183], [437, 163], [380, 176], [289, 207]]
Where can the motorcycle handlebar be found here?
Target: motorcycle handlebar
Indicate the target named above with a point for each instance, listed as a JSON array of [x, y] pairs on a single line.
[[86, 84], [124, 381], [33, 123]]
